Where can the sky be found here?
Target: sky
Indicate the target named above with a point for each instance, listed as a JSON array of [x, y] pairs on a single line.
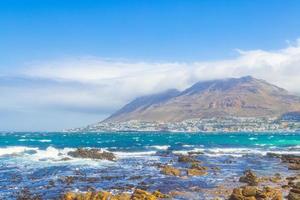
[[69, 63]]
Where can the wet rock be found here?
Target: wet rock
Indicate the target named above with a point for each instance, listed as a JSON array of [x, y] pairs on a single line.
[[250, 178], [293, 181], [197, 166], [68, 179], [142, 195], [51, 184], [187, 159], [92, 154], [216, 168], [293, 196], [88, 196], [273, 155], [196, 172], [289, 158], [138, 194], [294, 166], [292, 160], [169, 170], [285, 187], [195, 153], [276, 178], [25, 194], [123, 196], [65, 159], [160, 195], [294, 193]]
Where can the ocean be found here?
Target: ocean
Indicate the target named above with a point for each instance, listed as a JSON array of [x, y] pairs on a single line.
[[39, 162]]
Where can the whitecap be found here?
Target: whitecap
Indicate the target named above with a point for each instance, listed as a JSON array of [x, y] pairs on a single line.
[[121, 154], [160, 147], [45, 140], [253, 138], [15, 150]]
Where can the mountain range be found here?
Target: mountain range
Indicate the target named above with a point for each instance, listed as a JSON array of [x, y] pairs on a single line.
[[235, 97]]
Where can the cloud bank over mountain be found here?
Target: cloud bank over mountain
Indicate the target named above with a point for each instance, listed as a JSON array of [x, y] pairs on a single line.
[[95, 87]]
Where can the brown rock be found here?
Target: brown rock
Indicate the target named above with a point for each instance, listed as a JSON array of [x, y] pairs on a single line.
[[293, 196], [236, 197], [142, 195], [196, 172], [69, 196], [197, 166], [250, 178], [253, 193], [93, 154], [123, 196], [169, 170], [249, 191], [187, 159], [158, 194], [294, 166]]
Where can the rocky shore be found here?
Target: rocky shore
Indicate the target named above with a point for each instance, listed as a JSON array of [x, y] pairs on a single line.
[[250, 186]]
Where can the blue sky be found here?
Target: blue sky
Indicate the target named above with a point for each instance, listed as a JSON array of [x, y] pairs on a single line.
[[143, 29], [54, 47]]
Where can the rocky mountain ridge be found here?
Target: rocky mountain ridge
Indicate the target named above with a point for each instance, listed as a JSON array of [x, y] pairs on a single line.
[[237, 97]]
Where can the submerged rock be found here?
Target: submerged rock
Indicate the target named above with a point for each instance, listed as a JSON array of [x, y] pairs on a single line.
[[198, 167], [196, 172], [187, 159], [93, 154], [25, 194], [169, 170]]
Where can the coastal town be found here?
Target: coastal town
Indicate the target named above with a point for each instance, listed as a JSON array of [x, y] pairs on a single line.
[[228, 124]]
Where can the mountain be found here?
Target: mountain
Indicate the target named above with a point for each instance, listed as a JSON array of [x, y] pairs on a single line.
[[238, 97]]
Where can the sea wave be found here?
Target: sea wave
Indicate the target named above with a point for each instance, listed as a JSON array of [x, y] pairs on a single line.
[[15, 150], [238, 152], [160, 147], [33, 140]]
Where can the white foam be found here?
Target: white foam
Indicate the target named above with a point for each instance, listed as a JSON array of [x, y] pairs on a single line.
[[15, 150], [134, 154], [45, 140], [51, 153], [253, 138], [237, 152], [46, 157], [160, 147], [187, 145]]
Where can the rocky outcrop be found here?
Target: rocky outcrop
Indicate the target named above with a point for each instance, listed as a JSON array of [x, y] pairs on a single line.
[[171, 171], [138, 194], [187, 159], [253, 193], [293, 161], [196, 172], [250, 178], [92, 154], [144, 195], [294, 193]]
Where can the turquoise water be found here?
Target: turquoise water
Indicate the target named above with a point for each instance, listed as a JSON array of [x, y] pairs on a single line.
[[34, 160]]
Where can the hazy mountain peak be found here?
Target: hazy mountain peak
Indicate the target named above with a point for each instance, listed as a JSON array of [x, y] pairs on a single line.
[[240, 97]]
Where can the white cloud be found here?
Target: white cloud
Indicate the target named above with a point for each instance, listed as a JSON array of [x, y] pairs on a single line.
[[90, 83]]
